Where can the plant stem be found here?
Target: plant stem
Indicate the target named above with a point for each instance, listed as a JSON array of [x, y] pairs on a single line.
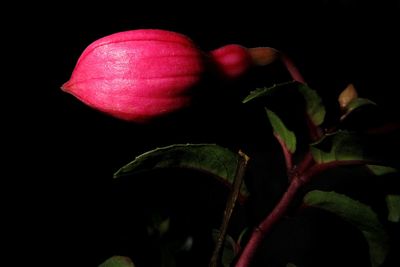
[[262, 56], [307, 162], [306, 171], [292, 69], [258, 234], [230, 205]]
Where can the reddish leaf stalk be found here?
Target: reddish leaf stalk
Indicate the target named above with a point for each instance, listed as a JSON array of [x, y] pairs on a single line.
[[286, 153], [292, 69], [262, 56], [314, 131]]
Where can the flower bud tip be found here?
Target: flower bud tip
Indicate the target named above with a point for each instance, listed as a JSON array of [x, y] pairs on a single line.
[[64, 87]]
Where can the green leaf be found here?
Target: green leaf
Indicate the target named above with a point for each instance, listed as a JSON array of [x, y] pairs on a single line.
[[393, 205], [266, 91], [358, 214], [209, 158], [230, 249], [118, 261], [340, 145], [356, 104], [351, 146], [281, 131], [315, 108], [381, 170]]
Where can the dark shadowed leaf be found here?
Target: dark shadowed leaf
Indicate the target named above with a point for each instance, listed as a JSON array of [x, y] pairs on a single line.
[[393, 205], [280, 130], [340, 145], [381, 170], [244, 232], [351, 146], [266, 91], [230, 248], [118, 261], [209, 158], [159, 225], [315, 108], [358, 214], [356, 104], [167, 257]]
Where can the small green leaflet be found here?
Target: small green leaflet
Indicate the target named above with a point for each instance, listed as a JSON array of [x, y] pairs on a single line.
[[118, 261], [358, 214], [359, 102], [393, 205], [281, 131], [356, 104], [341, 145], [266, 91], [315, 109], [209, 158]]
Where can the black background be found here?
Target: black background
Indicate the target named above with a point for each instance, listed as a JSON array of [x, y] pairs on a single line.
[[66, 152]]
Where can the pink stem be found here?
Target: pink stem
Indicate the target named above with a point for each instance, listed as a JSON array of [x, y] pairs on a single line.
[[306, 163], [280, 209], [259, 233], [292, 69], [262, 56]]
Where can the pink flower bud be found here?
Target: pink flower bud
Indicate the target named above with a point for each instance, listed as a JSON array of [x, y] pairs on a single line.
[[140, 75], [137, 75], [232, 60]]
